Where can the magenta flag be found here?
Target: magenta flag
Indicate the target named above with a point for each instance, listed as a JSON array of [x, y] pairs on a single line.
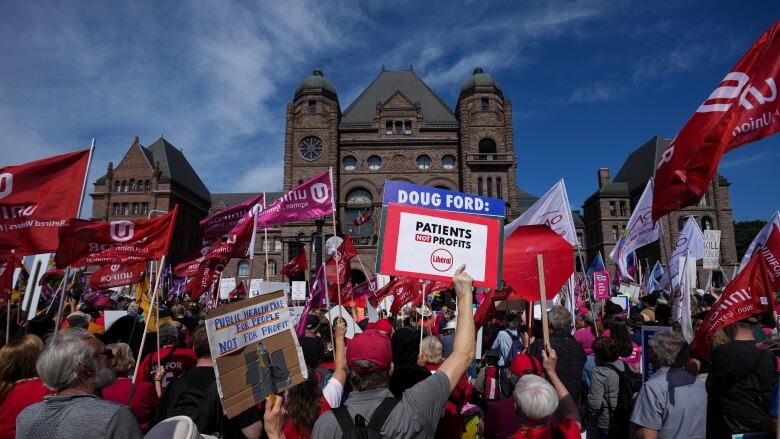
[[306, 201], [222, 222]]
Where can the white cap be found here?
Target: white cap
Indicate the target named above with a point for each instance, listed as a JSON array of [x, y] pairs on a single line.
[[177, 427]]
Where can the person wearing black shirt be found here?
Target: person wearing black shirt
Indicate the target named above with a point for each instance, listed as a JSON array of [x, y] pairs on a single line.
[[739, 384], [208, 414]]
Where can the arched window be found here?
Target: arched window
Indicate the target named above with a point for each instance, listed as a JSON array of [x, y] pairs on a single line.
[[487, 146], [243, 268], [271, 268], [148, 185], [132, 185], [349, 163], [485, 104], [681, 222], [441, 186], [499, 190], [360, 221], [115, 209], [124, 185], [125, 209], [374, 162], [301, 237], [490, 186], [703, 201], [706, 223], [117, 186], [136, 208], [479, 186], [423, 162]]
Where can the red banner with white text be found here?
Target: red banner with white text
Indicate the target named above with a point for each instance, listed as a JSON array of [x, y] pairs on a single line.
[[117, 275]]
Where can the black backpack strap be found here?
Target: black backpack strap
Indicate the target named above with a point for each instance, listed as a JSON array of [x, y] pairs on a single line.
[[342, 416], [380, 415]]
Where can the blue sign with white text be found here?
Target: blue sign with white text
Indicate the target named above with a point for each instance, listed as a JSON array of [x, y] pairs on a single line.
[[441, 199], [648, 332]]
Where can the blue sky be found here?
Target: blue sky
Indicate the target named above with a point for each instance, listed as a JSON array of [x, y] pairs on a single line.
[[589, 81]]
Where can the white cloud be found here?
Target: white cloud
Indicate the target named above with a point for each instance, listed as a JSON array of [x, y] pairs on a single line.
[[598, 92], [266, 177]]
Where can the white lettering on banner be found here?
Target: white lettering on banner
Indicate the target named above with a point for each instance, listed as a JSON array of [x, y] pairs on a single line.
[[230, 332], [434, 200], [438, 246], [6, 184], [733, 91]]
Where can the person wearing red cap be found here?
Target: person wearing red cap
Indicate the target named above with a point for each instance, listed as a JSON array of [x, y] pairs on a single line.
[[417, 412]]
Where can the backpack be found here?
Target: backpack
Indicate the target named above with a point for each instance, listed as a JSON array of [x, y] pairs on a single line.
[[515, 349], [628, 385], [202, 406], [358, 429]]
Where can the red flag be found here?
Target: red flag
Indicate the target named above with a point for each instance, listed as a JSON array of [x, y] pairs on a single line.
[[297, 265], [749, 293], [222, 222], [742, 109], [487, 308], [205, 278], [49, 275], [85, 242], [238, 291], [771, 254], [362, 218], [338, 264], [37, 198], [404, 290], [365, 288], [117, 275], [187, 269], [238, 243]]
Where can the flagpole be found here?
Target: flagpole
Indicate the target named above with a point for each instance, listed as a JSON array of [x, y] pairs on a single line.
[[587, 288], [422, 317], [252, 250], [146, 324]]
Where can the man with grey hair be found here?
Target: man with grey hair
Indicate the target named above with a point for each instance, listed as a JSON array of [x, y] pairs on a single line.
[[77, 366], [536, 400], [672, 403], [175, 359], [571, 355]]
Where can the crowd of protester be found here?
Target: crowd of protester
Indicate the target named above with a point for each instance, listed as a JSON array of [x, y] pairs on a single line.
[[406, 376]]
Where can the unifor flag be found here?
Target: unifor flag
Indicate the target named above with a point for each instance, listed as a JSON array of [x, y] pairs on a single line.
[[187, 268], [338, 265], [239, 242], [760, 239], [404, 291], [309, 200], [51, 274], [222, 222], [85, 242], [397, 285], [297, 265], [640, 231], [690, 244], [749, 293], [37, 198], [316, 299], [365, 288], [552, 210], [771, 254], [117, 275], [363, 218], [742, 109], [206, 277], [487, 308]]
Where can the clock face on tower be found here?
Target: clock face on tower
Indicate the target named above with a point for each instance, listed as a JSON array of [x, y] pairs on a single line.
[[310, 148]]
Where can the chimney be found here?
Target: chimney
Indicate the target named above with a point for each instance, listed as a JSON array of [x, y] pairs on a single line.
[[603, 177]]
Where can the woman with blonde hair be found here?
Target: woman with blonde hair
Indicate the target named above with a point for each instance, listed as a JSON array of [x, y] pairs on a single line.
[[430, 353], [19, 382], [122, 363]]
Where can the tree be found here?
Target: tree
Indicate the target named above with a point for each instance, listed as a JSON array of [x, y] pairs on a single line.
[[744, 232]]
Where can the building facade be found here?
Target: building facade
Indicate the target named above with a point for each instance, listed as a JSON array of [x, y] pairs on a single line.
[[607, 211], [150, 181]]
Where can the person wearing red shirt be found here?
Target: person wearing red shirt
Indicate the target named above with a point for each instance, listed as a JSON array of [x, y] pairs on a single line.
[[537, 400], [176, 360], [19, 385]]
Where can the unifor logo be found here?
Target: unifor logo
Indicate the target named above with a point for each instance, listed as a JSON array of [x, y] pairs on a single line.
[[734, 86], [115, 267], [122, 231], [319, 192], [6, 184]]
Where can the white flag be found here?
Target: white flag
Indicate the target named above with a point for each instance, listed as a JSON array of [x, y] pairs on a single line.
[[640, 231], [681, 303], [551, 210], [690, 241], [759, 240]]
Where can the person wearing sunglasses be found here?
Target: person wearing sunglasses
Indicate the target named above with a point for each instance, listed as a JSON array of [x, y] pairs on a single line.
[[77, 366]]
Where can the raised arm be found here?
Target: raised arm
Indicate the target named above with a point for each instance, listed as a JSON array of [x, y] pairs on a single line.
[[464, 345], [340, 352]]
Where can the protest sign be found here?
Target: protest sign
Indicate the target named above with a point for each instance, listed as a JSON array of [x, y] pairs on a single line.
[[648, 332], [711, 249], [295, 314], [226, 285], [255, 351], [623, 302], [298, 290], [630, 290], [37, 265], [258, 287], [441, 199], [432, 244], [601, 285], [339, 311], [520, 267], [111, 316]]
